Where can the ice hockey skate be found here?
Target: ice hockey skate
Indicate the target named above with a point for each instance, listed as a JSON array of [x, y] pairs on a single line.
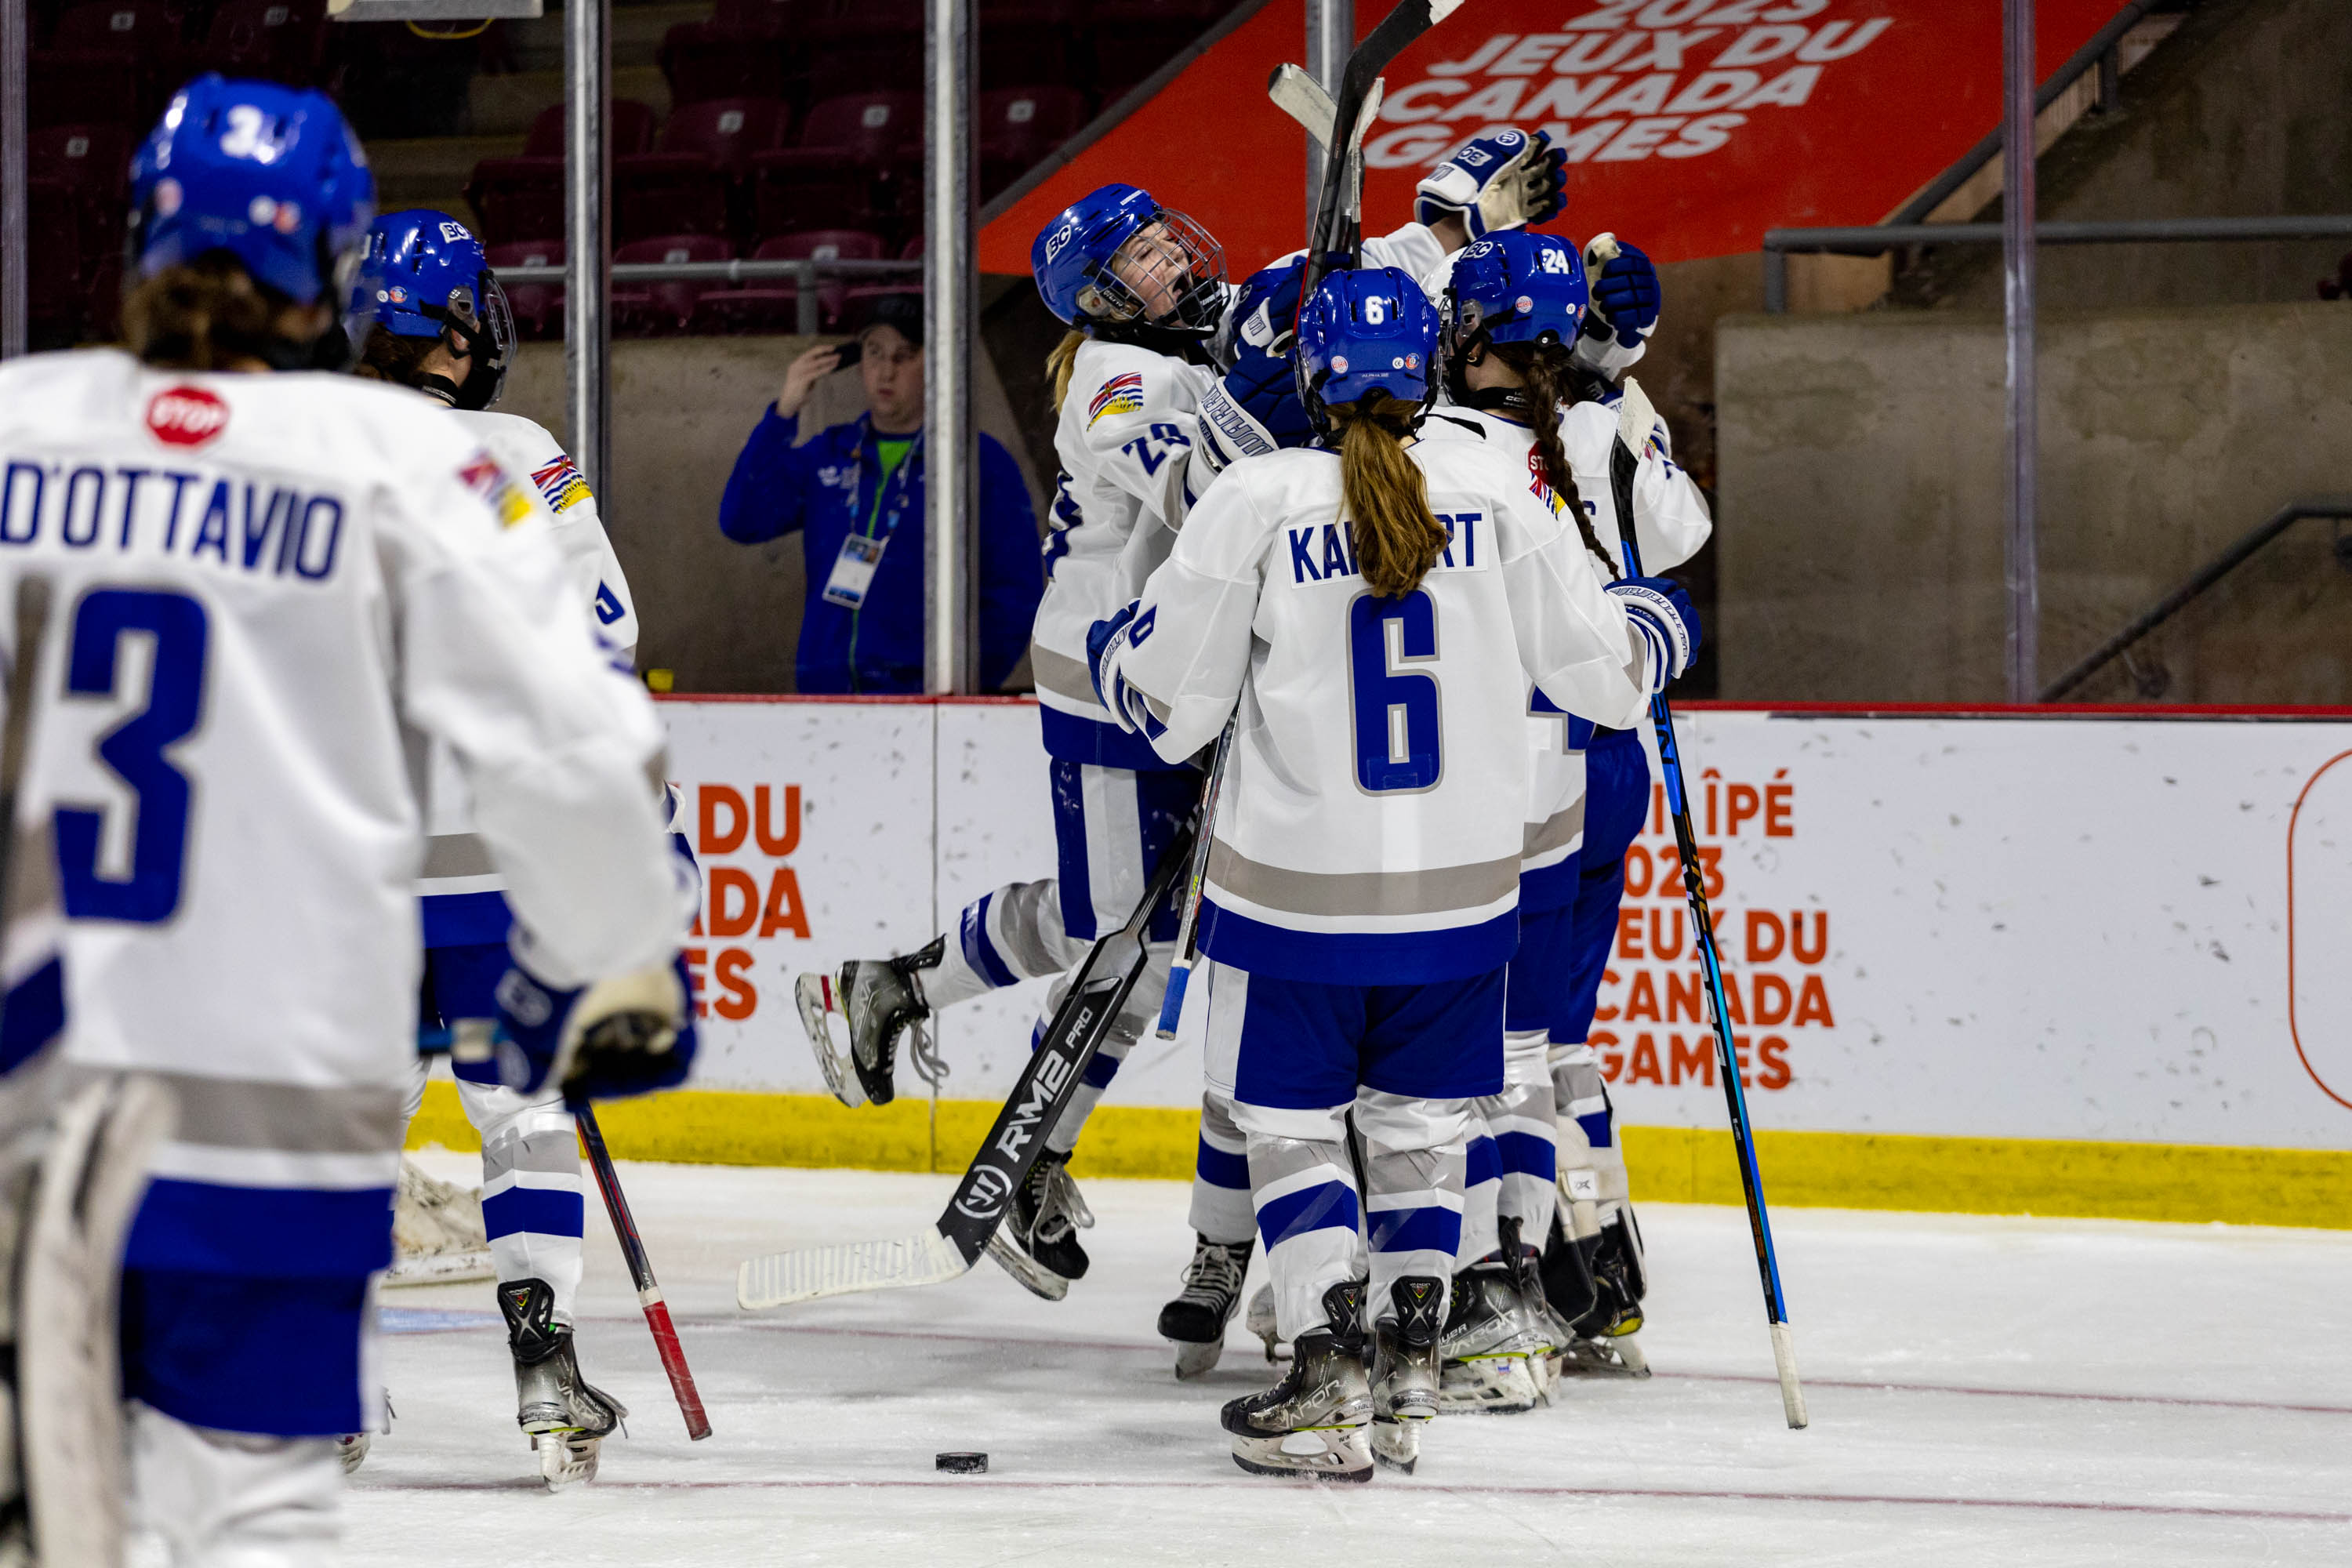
[[566, 1417], [881, 999], [1405, 1370], [1316, 1423], [1595, 1286], [1492, 1335], [1195, 1321], [1038, 1242]]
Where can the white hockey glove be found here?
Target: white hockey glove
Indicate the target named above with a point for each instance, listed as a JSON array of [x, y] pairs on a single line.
[[1107, 645], [1509, 180], [1663, 613]]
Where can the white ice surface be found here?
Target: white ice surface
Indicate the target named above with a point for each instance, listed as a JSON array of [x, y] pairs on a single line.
[[2005, 1392]]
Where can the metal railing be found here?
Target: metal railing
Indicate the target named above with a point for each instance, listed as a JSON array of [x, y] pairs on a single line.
[[803, 272], [2103, 52], [2199, 581], [1876, 239]]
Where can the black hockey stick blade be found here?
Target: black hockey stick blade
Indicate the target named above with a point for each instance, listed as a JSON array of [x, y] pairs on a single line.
[[1047, 1083]]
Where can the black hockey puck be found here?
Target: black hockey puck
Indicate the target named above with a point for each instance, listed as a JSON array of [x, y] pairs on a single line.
[[960, 1464]]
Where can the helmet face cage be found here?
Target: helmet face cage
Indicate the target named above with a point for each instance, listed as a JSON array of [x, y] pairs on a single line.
[[487, 335], [1169, 262]]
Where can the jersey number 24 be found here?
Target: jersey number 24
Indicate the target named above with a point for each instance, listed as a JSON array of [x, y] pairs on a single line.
[[135, 750]]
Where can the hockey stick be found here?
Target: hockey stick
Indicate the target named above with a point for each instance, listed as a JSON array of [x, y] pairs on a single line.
[[1636, 420], [15, 733], [1179, 969], [641, 1270], [952, 1244]]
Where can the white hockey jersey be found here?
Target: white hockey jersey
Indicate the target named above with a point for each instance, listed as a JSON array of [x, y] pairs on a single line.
[[260, 582], [1370, 830], [461, 889], [1671, 522], [1125, 440]]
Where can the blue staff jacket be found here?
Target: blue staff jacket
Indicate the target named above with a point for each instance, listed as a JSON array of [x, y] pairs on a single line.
[[824, 489]]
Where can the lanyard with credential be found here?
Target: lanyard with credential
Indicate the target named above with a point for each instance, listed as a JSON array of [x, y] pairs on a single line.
[[861, 555]]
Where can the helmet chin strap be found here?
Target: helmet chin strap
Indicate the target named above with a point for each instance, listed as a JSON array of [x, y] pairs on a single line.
[[438, 386]]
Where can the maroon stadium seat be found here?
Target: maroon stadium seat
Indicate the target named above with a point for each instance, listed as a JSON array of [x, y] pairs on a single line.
[[1020, 128], [81, 87], [874, 46], [658, 309], [141, 37], [93, 163], [775, 307], [514, 198], [280, 40], [693, 184], [859, 158], [702, 61], [538, 307], [519, 198], [57, 279], [1028, 41], [632, 130]]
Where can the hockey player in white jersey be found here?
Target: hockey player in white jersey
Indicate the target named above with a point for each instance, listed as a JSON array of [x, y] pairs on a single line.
[[1376, 607], [1142, 289], [438, 321], [1513, 305], [266, 584]]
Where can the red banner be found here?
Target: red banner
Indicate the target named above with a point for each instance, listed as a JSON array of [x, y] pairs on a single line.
[[1691, 125]]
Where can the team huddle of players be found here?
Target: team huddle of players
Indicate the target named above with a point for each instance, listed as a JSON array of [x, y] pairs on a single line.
[[316, 637], [1408, 591]]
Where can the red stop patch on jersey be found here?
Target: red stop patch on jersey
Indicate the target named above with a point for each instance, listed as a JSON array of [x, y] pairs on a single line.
[[185, 416]]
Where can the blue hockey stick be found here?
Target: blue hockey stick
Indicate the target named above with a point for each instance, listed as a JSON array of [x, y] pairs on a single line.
[[1180, 971], [1635, 419]]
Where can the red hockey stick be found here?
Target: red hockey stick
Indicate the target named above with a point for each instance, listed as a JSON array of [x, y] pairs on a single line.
[[640, 1269]]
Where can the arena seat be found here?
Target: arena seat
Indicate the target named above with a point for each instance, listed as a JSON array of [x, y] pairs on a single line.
[[695, 183], [661, 309], [1020, 127], [858, 160]]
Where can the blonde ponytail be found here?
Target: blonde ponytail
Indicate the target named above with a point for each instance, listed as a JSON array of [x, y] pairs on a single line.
[[1062, 362], [1384, 495], [1546, 380]]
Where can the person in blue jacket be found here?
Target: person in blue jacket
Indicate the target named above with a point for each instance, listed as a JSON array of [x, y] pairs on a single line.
[[855, 492]]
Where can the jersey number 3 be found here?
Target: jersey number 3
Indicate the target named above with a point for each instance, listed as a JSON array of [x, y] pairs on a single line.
[[1396, 717], [135, 750]]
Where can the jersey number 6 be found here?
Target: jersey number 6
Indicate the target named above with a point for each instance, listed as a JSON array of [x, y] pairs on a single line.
[[1396, 716], [135, 750]]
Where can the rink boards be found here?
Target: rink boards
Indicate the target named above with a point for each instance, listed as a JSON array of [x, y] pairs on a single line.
[[2087, 963]]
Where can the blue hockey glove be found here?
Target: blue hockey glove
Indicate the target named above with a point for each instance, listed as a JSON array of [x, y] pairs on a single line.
[[628, 1035], [1625, 299], [1663, 613], [1256, 408], [1509, 180]]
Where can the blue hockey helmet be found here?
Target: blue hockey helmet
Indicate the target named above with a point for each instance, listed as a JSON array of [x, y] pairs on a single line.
[[1116, 255], [426, 277], [1517, 288], [1366, 329], [270, 174]]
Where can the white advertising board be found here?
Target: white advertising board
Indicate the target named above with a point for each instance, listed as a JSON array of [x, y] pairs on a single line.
[[2101, 928]]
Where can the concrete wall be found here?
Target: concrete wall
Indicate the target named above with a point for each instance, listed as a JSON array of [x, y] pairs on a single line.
[[720, 616], [2244, 110], [1860, 510]]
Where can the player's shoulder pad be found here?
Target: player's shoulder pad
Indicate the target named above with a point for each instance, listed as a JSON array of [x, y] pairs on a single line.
[[1116, 384], [533, 454]]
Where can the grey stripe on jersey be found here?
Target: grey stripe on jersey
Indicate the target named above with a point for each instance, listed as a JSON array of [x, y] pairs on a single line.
[[1557, 831], [1436, 890], [458, 855], [288, 1118], [1062, 676]]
